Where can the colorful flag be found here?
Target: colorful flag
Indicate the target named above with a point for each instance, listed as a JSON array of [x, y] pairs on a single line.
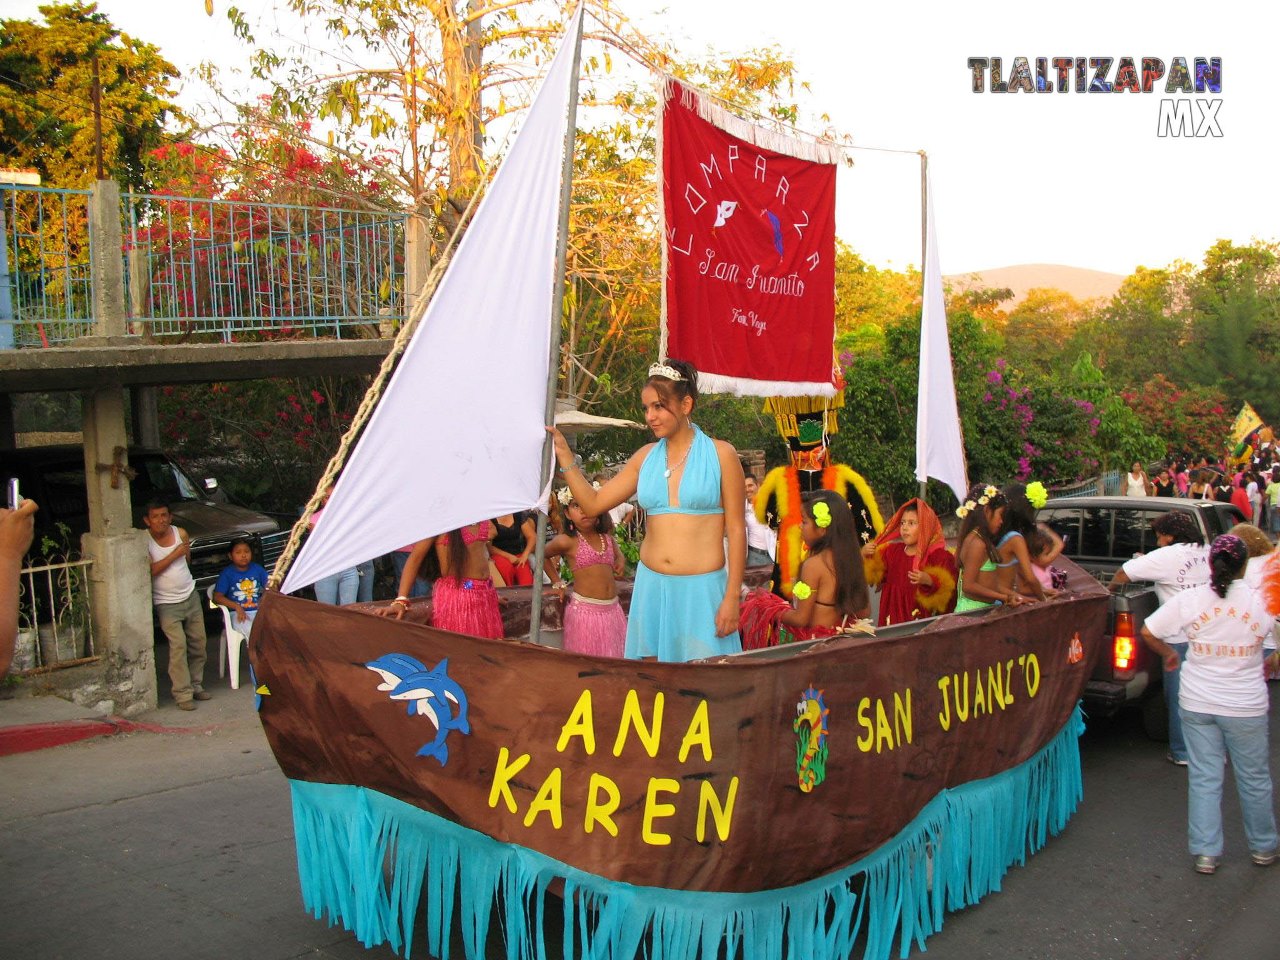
[[749, 251], [1247, 421]]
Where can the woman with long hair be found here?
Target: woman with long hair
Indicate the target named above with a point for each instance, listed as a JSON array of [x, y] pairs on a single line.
[[463, 599], [1016, 570], [1223, 701], [831, 589], [982, 516], [685, 602]]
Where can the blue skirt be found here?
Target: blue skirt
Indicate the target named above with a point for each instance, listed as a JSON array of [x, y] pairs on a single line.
[[674, 618]]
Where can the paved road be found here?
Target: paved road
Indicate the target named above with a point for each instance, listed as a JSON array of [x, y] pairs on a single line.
[[180, 844]]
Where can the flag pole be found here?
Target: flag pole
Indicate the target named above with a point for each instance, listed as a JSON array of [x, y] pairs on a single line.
[[924, 256], [557, 308]]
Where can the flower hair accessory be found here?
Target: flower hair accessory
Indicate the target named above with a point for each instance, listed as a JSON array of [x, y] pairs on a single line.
[[565, 496], [1037, 495], [665, 370], [965, 509], [821, 515]]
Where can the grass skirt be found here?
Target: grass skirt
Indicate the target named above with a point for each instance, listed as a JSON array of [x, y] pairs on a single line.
[[469, 607], [594, 627]]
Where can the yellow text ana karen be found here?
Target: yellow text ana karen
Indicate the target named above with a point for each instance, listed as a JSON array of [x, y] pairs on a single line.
[[603, 796]]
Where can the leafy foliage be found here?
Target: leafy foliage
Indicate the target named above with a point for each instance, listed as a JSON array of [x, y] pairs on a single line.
[[46, 109]]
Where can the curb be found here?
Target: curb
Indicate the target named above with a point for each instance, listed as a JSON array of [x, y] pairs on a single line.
[[41, 736]]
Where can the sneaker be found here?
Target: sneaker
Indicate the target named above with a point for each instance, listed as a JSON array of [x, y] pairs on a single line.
[[1206, 865], [186, 705], [1175, 761], [1263, 858], [202, 695]]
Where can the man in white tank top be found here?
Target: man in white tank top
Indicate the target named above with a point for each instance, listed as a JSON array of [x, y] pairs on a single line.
[[173, 591]]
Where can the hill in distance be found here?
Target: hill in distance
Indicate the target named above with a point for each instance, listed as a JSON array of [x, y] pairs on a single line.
[[1080, 283]]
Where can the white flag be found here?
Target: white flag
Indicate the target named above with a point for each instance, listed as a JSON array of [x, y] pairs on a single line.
[[939, 442], [457, 436]]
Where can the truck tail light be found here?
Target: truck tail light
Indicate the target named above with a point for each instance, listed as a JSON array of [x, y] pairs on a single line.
[[1124, 647]]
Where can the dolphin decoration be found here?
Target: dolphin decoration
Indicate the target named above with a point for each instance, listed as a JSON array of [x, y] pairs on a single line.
[[427, 693]]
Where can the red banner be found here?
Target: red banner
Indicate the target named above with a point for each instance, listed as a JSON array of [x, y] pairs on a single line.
[[750, 252]]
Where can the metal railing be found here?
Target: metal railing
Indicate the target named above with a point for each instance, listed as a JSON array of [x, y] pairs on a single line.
[[54, 626], [233, 267], [45, 289], [230, 269]]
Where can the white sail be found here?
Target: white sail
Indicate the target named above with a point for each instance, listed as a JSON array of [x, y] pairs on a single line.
[[939, 441], [458, 434]]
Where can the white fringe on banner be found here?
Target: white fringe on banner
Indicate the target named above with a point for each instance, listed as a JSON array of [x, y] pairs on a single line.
[[745, 387], [763, 137]]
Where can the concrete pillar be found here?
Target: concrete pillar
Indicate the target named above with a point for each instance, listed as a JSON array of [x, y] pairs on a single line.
[[120, 576], [417, 260], [106, 264], [146, 416]]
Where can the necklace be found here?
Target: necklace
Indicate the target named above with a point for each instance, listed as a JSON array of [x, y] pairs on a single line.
[[670, 469]]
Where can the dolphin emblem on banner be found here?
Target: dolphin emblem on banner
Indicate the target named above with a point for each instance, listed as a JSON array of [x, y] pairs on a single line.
[[428, 693]]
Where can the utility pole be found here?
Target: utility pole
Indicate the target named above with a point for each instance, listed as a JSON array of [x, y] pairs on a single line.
[[97, 118]]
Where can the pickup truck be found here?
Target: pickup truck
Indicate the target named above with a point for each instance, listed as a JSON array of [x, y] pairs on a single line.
[[54, 477], [1100, 534]]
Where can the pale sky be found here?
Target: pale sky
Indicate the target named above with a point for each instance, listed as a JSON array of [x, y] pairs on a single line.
[[1075, 179]]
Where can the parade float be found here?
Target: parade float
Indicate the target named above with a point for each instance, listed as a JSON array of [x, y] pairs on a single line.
[[813, 800]]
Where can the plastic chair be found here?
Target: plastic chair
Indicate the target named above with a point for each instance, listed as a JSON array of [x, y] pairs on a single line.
[[229, 650]]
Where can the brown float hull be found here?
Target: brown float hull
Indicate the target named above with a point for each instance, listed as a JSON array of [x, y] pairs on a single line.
[[699, 789]]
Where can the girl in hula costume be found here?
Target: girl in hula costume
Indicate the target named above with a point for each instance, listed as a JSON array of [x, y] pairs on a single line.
[[982, 516], [830, 593], [594, 623], [911, 567]]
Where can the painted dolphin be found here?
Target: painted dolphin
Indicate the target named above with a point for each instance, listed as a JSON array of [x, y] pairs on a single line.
[[429, 693], [393, 668]]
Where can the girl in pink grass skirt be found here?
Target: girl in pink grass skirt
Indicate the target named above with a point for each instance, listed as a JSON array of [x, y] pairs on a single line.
[[594, 623], [463, 599]]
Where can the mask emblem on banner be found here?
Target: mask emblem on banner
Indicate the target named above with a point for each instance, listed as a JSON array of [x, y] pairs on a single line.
[[811, 745], [428, 693]]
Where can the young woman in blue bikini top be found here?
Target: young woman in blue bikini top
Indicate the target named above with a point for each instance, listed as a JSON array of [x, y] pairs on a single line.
[[683, 481]]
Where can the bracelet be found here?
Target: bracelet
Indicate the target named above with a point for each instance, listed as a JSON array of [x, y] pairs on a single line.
[[566, 469], [403, 601]]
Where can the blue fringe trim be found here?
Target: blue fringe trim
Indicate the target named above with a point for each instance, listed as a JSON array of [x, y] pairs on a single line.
[[365, 860]]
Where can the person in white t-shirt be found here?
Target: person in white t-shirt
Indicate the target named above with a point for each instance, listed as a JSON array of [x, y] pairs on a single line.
[[1180, 563], [762, 540], [181, 617], [1223, 700]]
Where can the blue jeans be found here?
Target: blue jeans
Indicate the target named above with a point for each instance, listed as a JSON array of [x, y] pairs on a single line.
[[1172, 682], [1210, 738], [364, 592], [339, 588], [421, 588]]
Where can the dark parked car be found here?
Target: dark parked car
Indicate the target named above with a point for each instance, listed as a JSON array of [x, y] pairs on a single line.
[[1100, 534], [54, 477]]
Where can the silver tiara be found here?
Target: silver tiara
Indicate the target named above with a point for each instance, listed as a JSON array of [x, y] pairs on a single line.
[[662, 370]]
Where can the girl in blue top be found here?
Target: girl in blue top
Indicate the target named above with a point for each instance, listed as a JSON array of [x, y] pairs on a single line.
[[685, 602]]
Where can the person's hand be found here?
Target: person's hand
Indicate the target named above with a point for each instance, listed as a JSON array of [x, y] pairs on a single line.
[[727, 616], [1172, 661], [564, 456], [1015, 599], [869, 550], [241, 616], [17, 529], [920, 578], [395, 609]]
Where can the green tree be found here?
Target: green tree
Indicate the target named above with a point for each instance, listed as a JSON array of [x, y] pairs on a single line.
[[1040, 326], [46, 107]]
